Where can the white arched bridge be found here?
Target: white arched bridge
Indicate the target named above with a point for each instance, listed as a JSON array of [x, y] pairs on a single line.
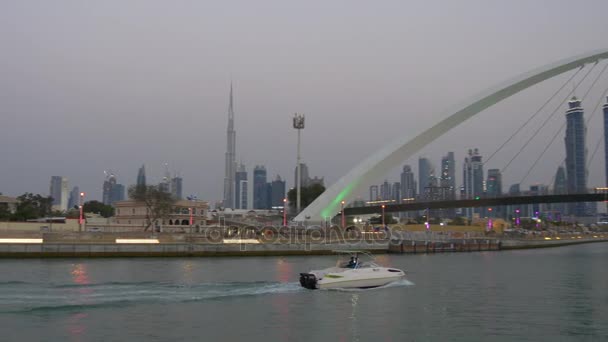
[[380, 163]]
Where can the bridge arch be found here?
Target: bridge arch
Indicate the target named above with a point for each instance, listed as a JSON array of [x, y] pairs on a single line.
[[390, 156]]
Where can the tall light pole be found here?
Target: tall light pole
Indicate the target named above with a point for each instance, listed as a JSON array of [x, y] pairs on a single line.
[[284, 212], [298, 123], [342, 210], [80, 208], [383, 215]]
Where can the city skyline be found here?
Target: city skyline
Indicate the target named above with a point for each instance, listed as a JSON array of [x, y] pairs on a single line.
[[412, 98]]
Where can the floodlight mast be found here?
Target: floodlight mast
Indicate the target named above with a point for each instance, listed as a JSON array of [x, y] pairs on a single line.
[[298, 123]]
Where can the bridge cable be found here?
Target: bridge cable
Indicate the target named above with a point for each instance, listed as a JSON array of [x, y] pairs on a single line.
[[564, 125], [595, 150], [547, 120], [534, 115]]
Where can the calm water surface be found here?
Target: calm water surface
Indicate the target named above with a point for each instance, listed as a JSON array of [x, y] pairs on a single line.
[[530, 295]]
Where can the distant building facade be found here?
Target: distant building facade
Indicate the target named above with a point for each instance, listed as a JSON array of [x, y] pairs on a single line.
[[177, 187], [112, 191], [277, 194], [74, 198], [59, 192], [141, 176], [260, 191], [425, 170], [373, 193], [576, 172], [606, 140], [473, 178], [241, 188], [408, 182]]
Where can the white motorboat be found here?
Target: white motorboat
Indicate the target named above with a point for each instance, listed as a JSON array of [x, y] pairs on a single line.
[[354, 273]]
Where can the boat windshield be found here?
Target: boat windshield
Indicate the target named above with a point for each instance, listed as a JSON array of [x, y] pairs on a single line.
[[356, 260]]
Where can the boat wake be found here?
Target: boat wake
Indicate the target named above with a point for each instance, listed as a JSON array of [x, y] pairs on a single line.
[[19, 297]]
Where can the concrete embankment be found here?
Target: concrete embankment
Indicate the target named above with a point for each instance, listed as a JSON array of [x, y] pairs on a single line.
[[535, 243], [476, 245], [181, 249]]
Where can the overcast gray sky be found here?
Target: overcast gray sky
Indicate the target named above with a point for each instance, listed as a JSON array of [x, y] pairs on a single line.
[[110, 85]]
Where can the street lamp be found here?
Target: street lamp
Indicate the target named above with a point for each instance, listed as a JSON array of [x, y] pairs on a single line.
[[490, 224], [298, 123], [284, 212], [343, 222], [80, 208], [383, 215]]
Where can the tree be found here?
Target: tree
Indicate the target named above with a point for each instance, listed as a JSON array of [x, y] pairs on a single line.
[[98, 208], [158, 202], [32, 207], [5, 214], [308, 194]]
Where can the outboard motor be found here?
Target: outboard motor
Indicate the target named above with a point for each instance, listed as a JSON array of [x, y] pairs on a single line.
[[308, 281]]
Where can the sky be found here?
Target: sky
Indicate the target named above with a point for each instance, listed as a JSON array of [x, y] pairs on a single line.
[[111, 85]]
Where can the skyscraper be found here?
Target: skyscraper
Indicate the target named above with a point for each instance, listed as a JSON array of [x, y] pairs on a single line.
[[230, 156], [472, 178], [59, 192], [396, 192], [560, 186], [141, 176], [108, 184], [408, 184], [278, 192], [448, 175], [493, 190], [176, 187], [73, 200], [165, 184], [112, 191], [373, 193], [385, 191], [260, 193], [240, 188], [425, 170], [494, 183], [576, 173], [606, 139], [118, 193]]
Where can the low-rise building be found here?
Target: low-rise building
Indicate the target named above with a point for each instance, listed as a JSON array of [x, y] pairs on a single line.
[[133, 213]]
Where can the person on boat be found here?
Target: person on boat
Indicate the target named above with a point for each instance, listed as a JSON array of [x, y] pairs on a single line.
[[352, 263]]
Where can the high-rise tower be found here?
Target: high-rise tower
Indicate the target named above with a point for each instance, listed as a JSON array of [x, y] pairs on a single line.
[[260, 193], [425, 170], [576, 173], [59, 192], [230, 156], [448, 175], [141, 176], [240, 188], [606, 138], [472, 178], [408, 184]]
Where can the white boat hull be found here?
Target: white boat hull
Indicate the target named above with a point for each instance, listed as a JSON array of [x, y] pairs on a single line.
[[357, 284], [336, 278]]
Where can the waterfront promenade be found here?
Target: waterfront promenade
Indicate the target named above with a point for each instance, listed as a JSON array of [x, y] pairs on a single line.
[[267, 241]]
